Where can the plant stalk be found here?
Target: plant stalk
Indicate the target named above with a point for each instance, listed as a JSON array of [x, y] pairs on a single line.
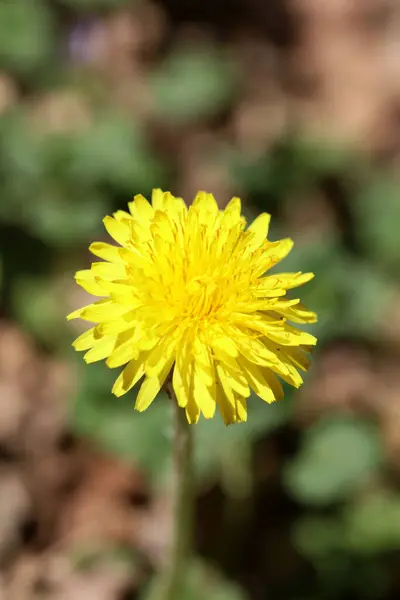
[[182, 502]]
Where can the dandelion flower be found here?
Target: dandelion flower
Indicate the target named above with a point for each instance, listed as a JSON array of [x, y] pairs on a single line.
[[186, 293]]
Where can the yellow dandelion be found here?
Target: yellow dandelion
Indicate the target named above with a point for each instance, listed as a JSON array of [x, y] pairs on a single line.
[[186, 293]]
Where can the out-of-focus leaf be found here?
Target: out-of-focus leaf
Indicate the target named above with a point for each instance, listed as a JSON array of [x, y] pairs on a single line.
[[36, 303], [368, 296], [319, 157], [337, 455], [61, 222], [142, 438], [87, 557], [373, 524], [293, 165], [192, 84], [26, 35], [201, 582], [223, 452], [317, 537], [372, 578], [114, 152], [377, 209], [22, 165]]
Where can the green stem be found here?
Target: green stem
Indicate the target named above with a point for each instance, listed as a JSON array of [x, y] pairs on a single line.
[[182, 507]]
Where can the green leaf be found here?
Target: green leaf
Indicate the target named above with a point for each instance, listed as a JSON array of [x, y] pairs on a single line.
[[377, 209], [26, 35], [192, 84], [365, 309], [142, 438], [337, 455], [36, 303], [87, 557], [294, 164], [22, 166], [373, 525], [202, 582], [60, 222], [114, 151], [222, 453], [317, 537]]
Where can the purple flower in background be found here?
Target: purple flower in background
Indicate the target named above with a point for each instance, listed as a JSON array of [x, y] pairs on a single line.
[[79, 47]]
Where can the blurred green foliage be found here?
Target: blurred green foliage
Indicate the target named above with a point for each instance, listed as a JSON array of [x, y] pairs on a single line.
[[192, 84], [56, 187], [202, 582], [336, 457], [27, 36]]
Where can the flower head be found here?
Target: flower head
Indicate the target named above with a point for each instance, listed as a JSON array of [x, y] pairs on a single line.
[[186, 292]]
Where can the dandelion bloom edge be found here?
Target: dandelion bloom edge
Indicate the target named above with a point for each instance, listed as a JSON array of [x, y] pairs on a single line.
[[186, 293]]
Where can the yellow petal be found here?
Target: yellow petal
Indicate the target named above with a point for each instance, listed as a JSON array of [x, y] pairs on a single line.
[[204, 203], [293, 377], [231, 405], [122, 354], [192, 411], [157, 199], [238, 381], [204, 389], [109, 270], [204, 395], [118, 230], [106, 251], [292, 280], [296, 356], [175, 208], [225, 345], [233, 208], [289, 336], [256, 380], [182, 379], [179, 387], [129, 376], [273, 382], [259, 229], [141, 209], [274, 253], [100, 350], [120, 287], [241, 409], [162, 226], [88, 282], [77, 314], [122, 215], [225, 383], [86, 340], [152, 385], [100, 312], [257, 352], [161, 354], [226, 407], [298, 314], [116, 326]]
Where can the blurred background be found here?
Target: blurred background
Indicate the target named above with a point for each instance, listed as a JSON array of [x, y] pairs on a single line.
[[294, 105]]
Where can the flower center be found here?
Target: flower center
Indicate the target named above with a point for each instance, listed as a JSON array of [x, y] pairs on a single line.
[[200, 298]]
